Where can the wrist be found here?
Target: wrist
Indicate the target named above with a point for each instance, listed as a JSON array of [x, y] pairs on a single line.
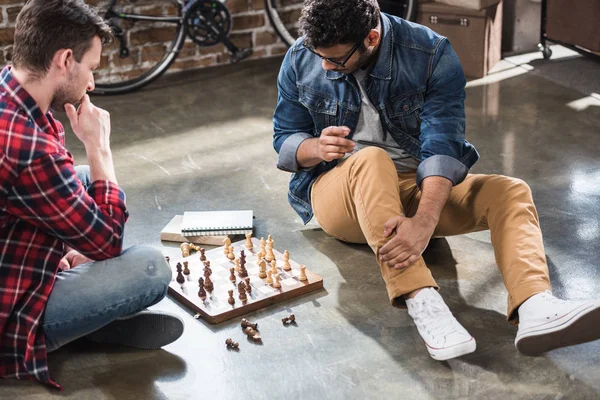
[[427, 220]]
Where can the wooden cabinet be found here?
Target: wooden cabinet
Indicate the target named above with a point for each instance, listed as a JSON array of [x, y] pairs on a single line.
[[475, 35]]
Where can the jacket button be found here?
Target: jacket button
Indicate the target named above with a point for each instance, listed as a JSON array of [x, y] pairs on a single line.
[[306, 213], [406, 107]]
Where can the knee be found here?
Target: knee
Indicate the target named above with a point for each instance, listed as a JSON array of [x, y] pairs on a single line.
[[151, 263], [375, 160], [516, 189]]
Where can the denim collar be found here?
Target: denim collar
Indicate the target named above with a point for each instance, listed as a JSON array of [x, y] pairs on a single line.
[[383, 66]]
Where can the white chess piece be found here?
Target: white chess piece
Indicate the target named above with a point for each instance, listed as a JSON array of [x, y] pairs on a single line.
[[286, 261], [302, 277], [276, 283]]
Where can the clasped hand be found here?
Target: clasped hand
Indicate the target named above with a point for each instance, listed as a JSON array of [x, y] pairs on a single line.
[[409, 241], [72, 259]]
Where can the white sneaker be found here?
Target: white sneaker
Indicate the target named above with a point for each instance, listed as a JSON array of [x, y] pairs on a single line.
[[547, 323], [444, 336]]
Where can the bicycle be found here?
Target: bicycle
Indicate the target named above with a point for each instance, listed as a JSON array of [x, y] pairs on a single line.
[[284, 15], [150, 39]]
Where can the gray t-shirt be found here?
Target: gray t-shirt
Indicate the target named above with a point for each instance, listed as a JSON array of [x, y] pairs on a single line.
[[370, 132]]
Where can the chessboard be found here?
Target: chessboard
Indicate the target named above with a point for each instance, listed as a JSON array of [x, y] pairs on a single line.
[[234, 286]]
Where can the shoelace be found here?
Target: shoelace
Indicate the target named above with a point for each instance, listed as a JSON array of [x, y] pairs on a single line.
[[436, 318]]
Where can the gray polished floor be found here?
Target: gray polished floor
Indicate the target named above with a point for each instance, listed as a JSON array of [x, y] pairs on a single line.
[[203, 141]]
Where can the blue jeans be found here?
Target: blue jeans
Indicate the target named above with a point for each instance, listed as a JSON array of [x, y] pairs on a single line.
[[91, 295]]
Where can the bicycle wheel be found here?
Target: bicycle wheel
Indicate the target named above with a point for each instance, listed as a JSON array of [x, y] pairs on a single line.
[[148, 37], [284, 15]]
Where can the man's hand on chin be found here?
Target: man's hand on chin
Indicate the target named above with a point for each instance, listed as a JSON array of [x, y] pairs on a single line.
[[72, 259]]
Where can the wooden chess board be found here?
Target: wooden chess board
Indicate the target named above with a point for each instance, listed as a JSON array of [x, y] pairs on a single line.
[[215, 308]]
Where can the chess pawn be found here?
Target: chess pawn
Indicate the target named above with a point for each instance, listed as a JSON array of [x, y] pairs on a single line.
[[232, 276], [262, 272], [185, 249], [276, 283], [237, 265], [248, 287], [226, 243], [252, 333], [259, 256], [242, 291], [231, 344], [168, 259], [208, 284], [249, 241], [262, 244], [186, 269], [230, 300], [231, 256], [202, 254], [270, 255], [273, 267], [201, 292], [302, 277], [180, 278], [286, 261], [269, 277]]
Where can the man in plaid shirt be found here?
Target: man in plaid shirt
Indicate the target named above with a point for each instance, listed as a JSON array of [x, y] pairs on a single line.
[[63, 274]]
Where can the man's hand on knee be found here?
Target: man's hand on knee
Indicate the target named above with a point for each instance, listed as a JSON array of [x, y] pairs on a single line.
[[409, 238]]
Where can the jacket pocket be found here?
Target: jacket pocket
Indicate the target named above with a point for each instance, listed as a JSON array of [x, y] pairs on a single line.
[[321, 107], [403, 112]]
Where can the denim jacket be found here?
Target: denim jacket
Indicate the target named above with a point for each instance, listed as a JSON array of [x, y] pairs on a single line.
[[417, 86]]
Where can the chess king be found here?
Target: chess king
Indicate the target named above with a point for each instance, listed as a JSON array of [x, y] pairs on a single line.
[[57, 221], [370, 119]]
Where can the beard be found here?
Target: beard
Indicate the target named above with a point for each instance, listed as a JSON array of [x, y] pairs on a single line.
[[364, 59], [67, 93]]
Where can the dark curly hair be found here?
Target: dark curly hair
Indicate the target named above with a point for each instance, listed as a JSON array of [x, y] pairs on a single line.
[[326, 23]]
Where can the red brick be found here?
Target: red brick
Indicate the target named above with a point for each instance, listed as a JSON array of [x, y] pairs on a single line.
[[132, 59], [243, 40], [153, 53], [7, 36], [218, 48], [236, 6], [244, 22], [264, 38], [156, 35], [278, 49], [191, 64], [12, 13], [257, 4], [189, 49]]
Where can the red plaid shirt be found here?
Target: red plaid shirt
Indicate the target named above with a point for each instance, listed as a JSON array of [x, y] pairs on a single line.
[[43, 207]]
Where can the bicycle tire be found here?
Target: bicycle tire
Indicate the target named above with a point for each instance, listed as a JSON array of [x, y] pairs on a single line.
[[153, 73], [284, 34]]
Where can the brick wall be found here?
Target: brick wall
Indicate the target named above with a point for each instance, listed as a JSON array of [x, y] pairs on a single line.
[[250, 28]]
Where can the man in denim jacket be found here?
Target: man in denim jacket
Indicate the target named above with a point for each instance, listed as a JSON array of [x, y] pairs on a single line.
[[370, 120]]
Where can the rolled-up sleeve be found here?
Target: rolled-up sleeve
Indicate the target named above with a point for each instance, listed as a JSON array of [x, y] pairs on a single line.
[[443, 119], [292, 123]]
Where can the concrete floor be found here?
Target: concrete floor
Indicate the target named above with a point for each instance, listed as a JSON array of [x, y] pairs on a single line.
[[203, 141]]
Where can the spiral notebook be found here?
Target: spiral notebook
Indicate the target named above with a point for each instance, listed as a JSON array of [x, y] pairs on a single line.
[[205, 223]]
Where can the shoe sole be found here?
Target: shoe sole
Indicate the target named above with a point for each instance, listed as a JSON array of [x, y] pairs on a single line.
[[580, 328], [144, 331], [454, 351]]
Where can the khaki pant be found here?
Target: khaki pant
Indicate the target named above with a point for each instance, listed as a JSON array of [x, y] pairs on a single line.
[[353, 201]]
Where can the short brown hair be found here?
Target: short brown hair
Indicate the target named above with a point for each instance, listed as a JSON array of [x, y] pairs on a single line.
[[45, 26]]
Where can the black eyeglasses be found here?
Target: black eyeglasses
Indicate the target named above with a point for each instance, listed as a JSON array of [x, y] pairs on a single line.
[[334, 62]]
